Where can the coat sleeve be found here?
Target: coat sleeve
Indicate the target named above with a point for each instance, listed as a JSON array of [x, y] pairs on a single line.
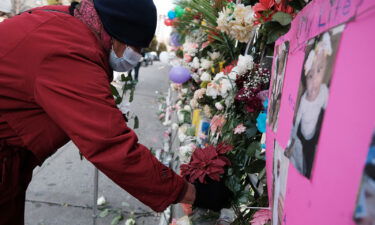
[[75, 93]]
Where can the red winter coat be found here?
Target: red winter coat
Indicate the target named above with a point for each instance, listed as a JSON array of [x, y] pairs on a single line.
[[54, 86]]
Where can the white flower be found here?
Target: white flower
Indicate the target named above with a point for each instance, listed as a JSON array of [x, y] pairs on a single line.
[[223, 20], [130, 221], [185, 152], [206, 77], [244, 64], [194, 103], [238, 23], [195, 64], [198, 94], [190, 48], [232, 75], [195, 77], [187, 108], [229, 101], [206, 64], [174, 126], [101, 200], [167, 123], [244, 14], [180, 116], [219, 106], [175, 86], [212, 90], [225, 86], [200, 71], [219, 76], [214, 55], [207, 111], [184, 91], [182, 132]]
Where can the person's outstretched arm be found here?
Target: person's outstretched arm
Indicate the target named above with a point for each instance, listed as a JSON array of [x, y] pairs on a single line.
[[75, 93]]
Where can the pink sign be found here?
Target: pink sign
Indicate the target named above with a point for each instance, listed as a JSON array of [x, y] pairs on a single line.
[[327, 96]]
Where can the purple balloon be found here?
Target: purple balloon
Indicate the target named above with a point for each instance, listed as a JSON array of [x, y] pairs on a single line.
[[179, 74], [175, 40]]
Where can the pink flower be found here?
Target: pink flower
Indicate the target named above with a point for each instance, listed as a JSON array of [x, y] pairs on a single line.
[[198, 94], [187, 58], [261, 217], [239, 129], [205, 44], [217, 123], [174, 222], [202, 136]]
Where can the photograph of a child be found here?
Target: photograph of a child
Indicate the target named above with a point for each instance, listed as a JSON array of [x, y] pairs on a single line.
[[365, 209], [280, 175], [277, 83], [312, 99]]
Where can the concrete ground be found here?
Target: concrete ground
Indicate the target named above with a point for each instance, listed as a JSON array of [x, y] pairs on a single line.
[[61, 192]]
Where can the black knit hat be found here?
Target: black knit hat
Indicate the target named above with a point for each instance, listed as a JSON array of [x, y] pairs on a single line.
[[130, 21]]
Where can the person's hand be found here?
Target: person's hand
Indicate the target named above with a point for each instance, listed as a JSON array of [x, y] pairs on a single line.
[[213, 195]]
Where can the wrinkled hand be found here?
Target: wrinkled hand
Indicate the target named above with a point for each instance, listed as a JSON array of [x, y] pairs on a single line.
[[213, 195]]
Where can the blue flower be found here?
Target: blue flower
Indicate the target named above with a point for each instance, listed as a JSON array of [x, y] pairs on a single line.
[[261, 122], [265, 104]]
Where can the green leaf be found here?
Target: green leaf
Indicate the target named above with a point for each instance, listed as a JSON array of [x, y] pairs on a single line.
[[114, 91], [190, 131], [128, 86], [244, 197], [252, 149], [275, 31], [234, 184], [251, 132], [136, 122], [131, 97], [297, 4], [126, 78], [256, 166], [118, 100], [283, 18], [117, 220], [104, 213], [204, 84]]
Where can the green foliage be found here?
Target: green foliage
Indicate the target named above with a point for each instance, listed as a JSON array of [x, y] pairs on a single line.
[[202, 16], [283, 18], [136, 122], [128, 86], [117, 219], [272, 30], [297, 4], [104, 213]]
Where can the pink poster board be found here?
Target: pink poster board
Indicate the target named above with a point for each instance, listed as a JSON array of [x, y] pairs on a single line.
[[329, 196]]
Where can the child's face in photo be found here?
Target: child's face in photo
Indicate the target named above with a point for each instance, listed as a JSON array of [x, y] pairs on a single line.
[[315, 76]]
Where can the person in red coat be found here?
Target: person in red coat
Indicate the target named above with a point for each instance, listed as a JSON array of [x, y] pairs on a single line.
[[56, 63]]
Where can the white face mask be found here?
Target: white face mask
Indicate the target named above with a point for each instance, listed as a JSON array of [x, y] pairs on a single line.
[[128, 61]]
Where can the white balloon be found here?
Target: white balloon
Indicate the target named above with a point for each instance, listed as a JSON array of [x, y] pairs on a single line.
[[164, 57]]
